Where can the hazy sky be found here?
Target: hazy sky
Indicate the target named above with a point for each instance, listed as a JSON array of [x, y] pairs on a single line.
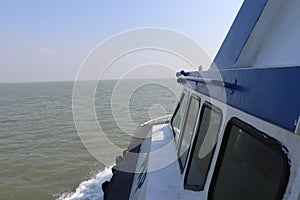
[[48, 40]]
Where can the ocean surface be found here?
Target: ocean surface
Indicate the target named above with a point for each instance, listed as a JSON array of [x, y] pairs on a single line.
[[41, 153]]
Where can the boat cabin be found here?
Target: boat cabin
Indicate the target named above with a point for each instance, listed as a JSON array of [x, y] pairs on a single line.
[[235, 133]]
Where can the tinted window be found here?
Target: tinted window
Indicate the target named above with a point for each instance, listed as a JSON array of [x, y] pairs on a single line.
[[188, 130], [177, 120], [203, 148], [250, 166]]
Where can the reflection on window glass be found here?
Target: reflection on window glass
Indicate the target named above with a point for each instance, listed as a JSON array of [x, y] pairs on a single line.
[[179, 116], [252, 166], [202, 153], [188, 131]]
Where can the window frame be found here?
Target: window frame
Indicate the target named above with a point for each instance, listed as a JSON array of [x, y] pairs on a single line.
[[214, 109], [182, 165], [183, 94], [260, 136]]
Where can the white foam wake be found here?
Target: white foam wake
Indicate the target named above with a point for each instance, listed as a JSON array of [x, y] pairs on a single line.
[[90, 189]]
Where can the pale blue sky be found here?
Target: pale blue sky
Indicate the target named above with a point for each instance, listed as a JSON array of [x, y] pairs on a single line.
[[48, 40]]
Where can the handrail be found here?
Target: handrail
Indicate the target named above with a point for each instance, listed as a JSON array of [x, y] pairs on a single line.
[[183, 76]]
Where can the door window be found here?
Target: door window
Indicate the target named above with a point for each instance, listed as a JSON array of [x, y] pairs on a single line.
[[203, 148]]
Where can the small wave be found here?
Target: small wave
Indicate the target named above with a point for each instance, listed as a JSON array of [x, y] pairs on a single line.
[[8, 121], [90, 189]]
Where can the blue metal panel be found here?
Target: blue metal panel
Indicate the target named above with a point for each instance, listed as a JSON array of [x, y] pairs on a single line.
[[239, 33], [272, 94]]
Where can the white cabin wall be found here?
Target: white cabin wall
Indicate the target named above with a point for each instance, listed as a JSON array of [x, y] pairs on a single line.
[[275, 38]]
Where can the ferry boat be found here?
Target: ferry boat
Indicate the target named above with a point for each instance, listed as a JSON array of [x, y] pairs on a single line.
[[235, 131]]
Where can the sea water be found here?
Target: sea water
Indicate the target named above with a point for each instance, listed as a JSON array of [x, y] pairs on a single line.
[[41, 153]]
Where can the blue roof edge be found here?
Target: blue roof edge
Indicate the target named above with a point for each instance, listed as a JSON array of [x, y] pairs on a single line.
[[271, 94]]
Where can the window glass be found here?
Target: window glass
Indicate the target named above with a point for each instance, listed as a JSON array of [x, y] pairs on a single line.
[[203, 149], [188, 131], [251, 166], [177, 120]]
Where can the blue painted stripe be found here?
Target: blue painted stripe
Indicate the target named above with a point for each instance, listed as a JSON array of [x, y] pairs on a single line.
[[272, 94], [239, 33]]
